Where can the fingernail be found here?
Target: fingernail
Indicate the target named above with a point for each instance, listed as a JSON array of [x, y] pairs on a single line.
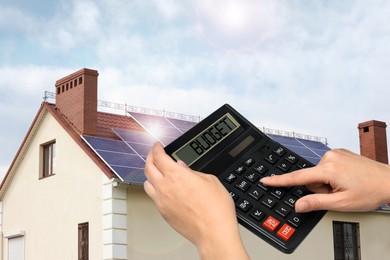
[[302, 207], [265, 178]]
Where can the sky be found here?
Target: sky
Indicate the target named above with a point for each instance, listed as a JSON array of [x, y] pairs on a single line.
[[313, 67]]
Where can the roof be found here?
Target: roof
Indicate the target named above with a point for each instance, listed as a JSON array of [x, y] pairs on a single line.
[[122, 142]]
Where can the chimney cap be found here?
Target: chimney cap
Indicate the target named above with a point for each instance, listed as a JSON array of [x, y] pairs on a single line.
[[372, 123], [84, 71]]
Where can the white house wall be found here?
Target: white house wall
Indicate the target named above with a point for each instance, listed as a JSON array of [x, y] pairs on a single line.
[[49, 210], [150, 237]]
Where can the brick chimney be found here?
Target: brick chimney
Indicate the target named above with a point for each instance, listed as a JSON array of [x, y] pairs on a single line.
[[76, 99], [373, 141]]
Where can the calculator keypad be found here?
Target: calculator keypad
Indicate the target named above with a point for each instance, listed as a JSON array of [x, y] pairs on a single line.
[[270, 208]]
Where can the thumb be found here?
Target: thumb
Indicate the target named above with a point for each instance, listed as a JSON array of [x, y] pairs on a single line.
[[181, 163], [314, 202]]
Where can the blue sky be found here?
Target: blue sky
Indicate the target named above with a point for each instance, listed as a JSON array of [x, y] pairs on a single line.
[[314, 67]]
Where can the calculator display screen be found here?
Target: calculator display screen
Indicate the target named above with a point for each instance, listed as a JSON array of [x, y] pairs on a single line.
[[206, 140]]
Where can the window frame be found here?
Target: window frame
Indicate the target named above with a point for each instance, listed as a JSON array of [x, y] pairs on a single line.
[[346, 240], [83, 241], [48, 157]]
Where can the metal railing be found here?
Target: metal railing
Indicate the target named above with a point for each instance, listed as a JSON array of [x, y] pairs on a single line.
[[174, 115]]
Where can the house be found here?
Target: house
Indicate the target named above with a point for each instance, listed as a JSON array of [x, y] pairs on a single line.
[[63, 197]]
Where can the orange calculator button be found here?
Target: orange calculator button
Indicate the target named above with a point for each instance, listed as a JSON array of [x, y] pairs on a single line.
[[285, 232], [271, 223]]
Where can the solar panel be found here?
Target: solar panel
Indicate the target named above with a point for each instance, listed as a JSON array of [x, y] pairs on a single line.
[[108, 144], [140, 142], [134, 136], [182, 125], [159, 127], [285, 140], [126, 157], [313, 144], [119, 157], [310, 150], [130, 174]]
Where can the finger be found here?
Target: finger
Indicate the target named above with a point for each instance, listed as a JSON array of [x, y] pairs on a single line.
[[314, 202], [181, 163], [152, 173], [163, 162], [149, 189], [300, 177]]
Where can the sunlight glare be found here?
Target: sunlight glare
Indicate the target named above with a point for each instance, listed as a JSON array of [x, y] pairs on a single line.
[[235, 24]]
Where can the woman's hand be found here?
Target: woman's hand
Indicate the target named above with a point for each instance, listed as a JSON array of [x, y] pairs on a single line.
[[195, 204], [342, 181]]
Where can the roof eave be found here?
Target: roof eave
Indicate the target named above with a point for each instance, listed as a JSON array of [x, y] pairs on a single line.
[[34, 125], [44, 108]]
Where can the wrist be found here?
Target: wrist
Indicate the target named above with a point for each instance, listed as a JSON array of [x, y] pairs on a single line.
[[226, 245]]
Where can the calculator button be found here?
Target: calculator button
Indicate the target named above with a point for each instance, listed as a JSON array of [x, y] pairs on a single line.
[[262, 186], [269, 202], [233, 195], [249, 162], [271, 158], [290, 200], [284, 165], [296, 220], [280, 151], [283, 210], [252, 177], [285, 232], [240, 169], [264, 148], [257, 214], [243, 205], [292, 158], [261, 169], [278, 192], [255, 193], [271, 223], [230, 178], [300, 191], [243, 185]]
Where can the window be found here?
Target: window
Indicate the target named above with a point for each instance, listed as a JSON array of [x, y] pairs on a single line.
[[83, 241], [366, 129], [48, 159], [346, 241], [16, 248], [15, 245]]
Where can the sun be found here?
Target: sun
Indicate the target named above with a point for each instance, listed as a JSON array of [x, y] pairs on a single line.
[[235, 24], [233, 16]]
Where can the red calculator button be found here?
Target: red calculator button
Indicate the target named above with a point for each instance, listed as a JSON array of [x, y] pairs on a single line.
[[285, 232], [271, 223]]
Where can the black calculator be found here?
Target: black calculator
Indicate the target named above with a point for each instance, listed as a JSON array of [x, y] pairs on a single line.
[[229, 146]]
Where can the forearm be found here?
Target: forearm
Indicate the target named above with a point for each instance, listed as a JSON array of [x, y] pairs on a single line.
[[384, 184], [226, 245]]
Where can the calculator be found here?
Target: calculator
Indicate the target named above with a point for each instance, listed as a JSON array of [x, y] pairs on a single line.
[[230, 147]]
